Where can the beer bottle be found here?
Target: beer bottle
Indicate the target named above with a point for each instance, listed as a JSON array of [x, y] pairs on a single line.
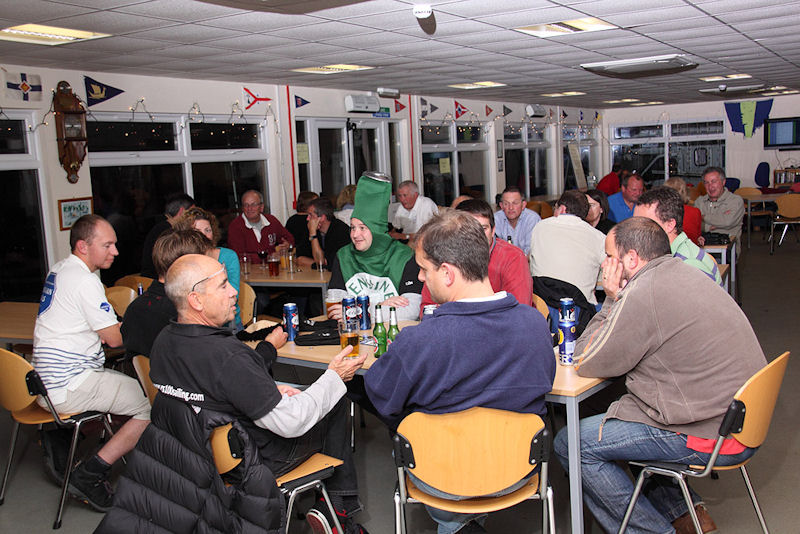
[[393, 328], [379, 331], [509, 240]]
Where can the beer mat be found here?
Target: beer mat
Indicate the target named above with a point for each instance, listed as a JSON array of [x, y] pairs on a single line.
[[328, 336], [310, 325]]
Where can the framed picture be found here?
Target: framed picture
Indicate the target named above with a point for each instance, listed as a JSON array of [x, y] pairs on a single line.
[[72, 209], [500, 165], [499, 149]]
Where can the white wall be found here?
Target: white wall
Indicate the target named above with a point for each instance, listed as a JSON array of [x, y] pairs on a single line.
[[742, 155]]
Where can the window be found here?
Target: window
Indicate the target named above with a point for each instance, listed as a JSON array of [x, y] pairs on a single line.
[[23, 261], [578, 142], [681, 149], [139, 163], [526, 157], [454, 161]]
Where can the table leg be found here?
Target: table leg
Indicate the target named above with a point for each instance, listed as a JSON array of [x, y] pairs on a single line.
[[749, 221], [574, 451]]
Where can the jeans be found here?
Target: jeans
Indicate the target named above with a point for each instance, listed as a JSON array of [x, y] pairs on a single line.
[[607, 488]]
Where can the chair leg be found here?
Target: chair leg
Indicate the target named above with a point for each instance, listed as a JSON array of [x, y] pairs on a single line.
[[289, 507], [330, 507], [771, 238], [634, 497], [689, 504], [399, 514], [11, 447], [67, 472], [352, 426], [783, 234], [753, 498]]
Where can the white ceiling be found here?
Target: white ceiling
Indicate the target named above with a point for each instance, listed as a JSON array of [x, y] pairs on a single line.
[[472, 41]]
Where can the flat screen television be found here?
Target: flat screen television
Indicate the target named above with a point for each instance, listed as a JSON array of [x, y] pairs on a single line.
[[782, 133]]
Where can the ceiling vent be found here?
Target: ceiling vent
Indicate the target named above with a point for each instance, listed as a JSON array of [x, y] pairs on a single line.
[[643, 66], [362, 104]]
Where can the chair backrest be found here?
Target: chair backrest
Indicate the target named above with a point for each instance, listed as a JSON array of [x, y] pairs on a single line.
[[247, 303], [788, 205], [732, 184], [224, 458], [697, 191], [762, 174], [14, 393], [120, 298], [142, 366], [132, 280], [541, 305], [475, 452], [748, 192], [759, 395], [544, 209]]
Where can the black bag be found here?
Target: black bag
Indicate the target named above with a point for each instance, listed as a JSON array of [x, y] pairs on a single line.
[[713, 238], [327, 336]]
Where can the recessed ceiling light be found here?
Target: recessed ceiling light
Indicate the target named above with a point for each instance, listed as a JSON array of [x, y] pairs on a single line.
[[723, 78], [477, 85], [712, 78], [565, 93], [652, 103], [738, 76], [776, 88], [46, 35], [332, 69], [588, 24], [621, 101]]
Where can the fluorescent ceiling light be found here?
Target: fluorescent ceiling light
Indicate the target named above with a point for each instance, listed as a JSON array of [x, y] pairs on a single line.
[[642, 66], [652, 103], [46, 35], [565, 93], [621, 101], [723, 78], [477, 85], [332, 69], [588, 24]]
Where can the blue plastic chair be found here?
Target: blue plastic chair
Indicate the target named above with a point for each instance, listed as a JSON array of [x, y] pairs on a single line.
[[732, 184], [762, 174]]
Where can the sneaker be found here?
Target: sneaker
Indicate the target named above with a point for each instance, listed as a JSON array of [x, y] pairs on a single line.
[[318, 518], [91, 488]]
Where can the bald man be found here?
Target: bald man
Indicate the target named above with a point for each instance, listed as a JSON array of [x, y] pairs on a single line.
[[196, 357]]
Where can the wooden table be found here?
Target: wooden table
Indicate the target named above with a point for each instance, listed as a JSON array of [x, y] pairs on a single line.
[[304, 278], [569, 389], [757, 199], [17, 320], [724, 251]]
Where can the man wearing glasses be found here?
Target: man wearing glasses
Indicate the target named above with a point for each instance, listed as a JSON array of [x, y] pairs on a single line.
[[253, 231], [199, 361], [515, 222]]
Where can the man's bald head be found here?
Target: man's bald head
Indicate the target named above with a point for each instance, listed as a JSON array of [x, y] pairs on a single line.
[[184, 273]]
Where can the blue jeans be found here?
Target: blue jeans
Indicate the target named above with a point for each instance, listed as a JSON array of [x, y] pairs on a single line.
[[607, 488]]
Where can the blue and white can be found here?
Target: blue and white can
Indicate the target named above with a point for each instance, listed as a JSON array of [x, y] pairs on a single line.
[[566, 342], [567, 310], [364, 320], [291, 321], [349, 309]]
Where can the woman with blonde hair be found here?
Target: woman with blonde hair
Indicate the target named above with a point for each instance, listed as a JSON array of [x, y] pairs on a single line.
[[345, 202], [206, 223], [692, 218]]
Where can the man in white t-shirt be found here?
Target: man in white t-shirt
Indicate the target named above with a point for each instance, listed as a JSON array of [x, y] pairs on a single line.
[[74, 320], [412, 212]]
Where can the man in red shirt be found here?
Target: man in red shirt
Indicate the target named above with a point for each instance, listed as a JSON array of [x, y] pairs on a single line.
[[508, 267], [610, 183], [253, 231]]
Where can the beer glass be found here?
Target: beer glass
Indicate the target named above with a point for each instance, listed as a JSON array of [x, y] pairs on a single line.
[[349, 335]]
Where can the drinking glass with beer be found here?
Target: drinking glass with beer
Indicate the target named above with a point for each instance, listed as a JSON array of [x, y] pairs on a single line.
[[349, 335], [274, 265]]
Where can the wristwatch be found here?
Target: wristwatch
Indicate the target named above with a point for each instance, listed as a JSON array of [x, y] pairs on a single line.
[[312, 237]]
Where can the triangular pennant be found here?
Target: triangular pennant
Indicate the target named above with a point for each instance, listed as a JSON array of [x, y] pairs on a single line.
[[488, 111], [460, 110], [434, 107], [580, 116], [423, 105], [506, 110], [398, 106], [746, 117], [299, 101], [563, 115], [97, 92]]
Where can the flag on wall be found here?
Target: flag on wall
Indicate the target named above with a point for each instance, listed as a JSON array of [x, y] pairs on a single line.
[[488, 111], [460, 110], [506, 110], [97, 92], [23, 86], [426, 107], [746, 117], [299, 101], [398, 106], [251, 98]]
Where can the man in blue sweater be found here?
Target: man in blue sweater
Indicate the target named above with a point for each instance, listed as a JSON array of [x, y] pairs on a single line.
[[480, 348]]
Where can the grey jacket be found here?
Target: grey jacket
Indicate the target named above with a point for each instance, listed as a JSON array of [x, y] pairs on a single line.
[[684, 344], [725, 214]]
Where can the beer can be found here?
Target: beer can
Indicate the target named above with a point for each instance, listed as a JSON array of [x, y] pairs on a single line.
[[567, 310], [427, 311], [566, 342], [364, 321], [291, 321], [349, 309]]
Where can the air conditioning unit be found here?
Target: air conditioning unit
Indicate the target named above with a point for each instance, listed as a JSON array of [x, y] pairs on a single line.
[[535, 110], [362, 104]]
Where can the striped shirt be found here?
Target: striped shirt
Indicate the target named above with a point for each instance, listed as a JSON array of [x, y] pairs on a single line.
[[683, 249]]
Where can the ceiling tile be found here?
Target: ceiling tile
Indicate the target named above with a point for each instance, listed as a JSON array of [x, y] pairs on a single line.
[[177, 10]]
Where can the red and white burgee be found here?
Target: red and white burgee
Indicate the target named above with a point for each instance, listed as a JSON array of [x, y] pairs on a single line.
[[460, 110], [398, 106], [488, 111]]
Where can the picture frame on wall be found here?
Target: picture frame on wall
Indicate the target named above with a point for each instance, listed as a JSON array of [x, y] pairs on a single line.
[[72, 209], [499, 149]]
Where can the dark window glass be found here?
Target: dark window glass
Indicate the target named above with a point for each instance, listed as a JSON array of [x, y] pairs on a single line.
[[638, 132], [12, 137], [512, 132], [469, 134], [132, 199], [646, 159], [515, 168], [435, 134], [22, 258], [218, 187], [130, 136], [570, 179], [697, 128], [215, 136], [471, 173], [688, 159], [300, 131], [438, 176]]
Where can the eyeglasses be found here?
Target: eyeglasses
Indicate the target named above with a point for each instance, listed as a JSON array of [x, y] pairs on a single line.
[[206, 279]]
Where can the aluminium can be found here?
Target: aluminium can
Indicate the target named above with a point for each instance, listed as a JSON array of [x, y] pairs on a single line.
[[291, 321], [567, 310], [349, 309], [364, 321], [566, 342]]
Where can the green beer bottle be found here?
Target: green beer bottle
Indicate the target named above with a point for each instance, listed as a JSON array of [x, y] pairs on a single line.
[[393, 328], [379, 331]]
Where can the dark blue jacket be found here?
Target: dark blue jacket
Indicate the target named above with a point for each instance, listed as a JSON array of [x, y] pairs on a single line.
[[495, 354]]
